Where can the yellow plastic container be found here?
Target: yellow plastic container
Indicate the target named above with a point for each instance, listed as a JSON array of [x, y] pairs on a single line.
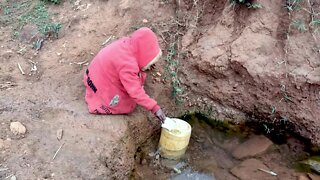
[[173, 144]]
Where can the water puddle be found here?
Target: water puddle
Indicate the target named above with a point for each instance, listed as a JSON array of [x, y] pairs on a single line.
[[220, 150]]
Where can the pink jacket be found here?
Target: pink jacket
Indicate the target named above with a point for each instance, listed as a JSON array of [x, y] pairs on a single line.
[[114, 79]]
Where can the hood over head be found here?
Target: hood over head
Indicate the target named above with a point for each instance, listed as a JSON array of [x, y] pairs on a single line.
[[146, 47]]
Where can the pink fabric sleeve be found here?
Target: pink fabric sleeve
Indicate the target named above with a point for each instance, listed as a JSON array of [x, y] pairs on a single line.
[[132, 83], [155, 109]]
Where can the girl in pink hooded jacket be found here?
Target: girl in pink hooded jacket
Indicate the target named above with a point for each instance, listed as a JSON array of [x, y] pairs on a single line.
[[115, 77]]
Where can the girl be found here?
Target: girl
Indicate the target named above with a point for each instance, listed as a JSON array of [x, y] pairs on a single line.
[[115, 77]]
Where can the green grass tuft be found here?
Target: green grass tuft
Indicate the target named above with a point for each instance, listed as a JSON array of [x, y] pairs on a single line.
[[53, 1], [299, 24], [19, 13], [171, 66], [247, 3]]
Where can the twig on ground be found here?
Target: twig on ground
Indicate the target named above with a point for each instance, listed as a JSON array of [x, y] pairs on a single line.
[[8, 176], [7, 85], [34, 66], [163, 38], [267, 171], [22, 50], [81, 63], [20, 68], [106, 41], [312, 11], [57, 152]]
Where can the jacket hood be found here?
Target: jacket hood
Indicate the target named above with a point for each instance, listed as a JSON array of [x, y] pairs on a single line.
[[146, 47]]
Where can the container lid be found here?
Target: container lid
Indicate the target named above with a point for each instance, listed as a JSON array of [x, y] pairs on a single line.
[[176, 126]]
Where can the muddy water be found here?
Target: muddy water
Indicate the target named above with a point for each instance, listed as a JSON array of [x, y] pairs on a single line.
[[210, 156]]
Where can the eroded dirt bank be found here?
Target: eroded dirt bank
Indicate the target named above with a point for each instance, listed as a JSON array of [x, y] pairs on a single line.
[[255, 62]]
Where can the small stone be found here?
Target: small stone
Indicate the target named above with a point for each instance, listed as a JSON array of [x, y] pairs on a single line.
[[248, 170], [59, 134], [159, 74], [254, 146], [59, 54], [145, 21], [17, 128], [303, 177], [177, 170], [157, 79], [13, 177], [152, 154]]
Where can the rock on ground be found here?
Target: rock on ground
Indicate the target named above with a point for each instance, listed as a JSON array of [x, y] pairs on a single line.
[[248, 170], [254, 146], [17, 128], [59, 134]]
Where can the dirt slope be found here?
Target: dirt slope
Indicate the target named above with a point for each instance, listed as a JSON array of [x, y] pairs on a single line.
[[52, 98]]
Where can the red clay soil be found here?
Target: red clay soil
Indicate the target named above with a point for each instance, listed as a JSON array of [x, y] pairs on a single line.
[[236, 61]]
